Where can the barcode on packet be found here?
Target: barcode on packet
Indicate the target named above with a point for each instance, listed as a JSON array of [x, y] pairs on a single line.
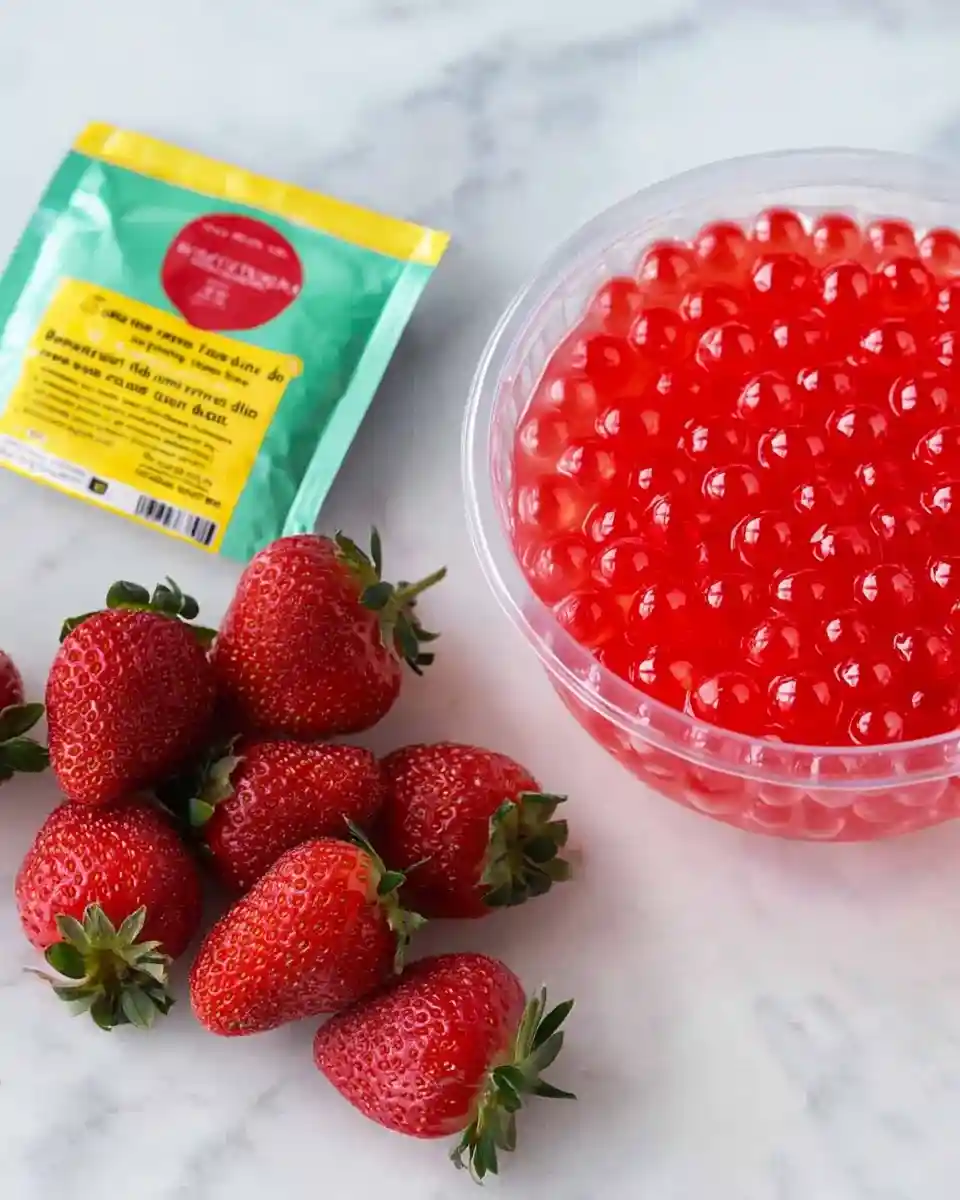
[[177, 520]]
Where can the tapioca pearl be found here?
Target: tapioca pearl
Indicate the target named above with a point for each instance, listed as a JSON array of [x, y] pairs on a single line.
[[768, 399], [732, 489], [573, 398], [800, 340], [902, 531], [944, 349], [886, 592], [835, 236], [948, 304], [673, 526], [939, 250], [775, 643], [723, 250], [857, 432], [728, 350], [551, 505], [792, 452], [843, 635], [715, 441], [609, 362], [824, 497], [889, 348], [622, 566], [929, 653], [943, 574], [633, 421], [616, 304], [846, 547], [887, 236], [940, 448], [867, 675], [804, 706], [666, 268], [590, 464], [783, 282], [682, 389], [591, 617], [942, 500], [664, 605], [765, 540], [664, 671], [662, 477], [558, 567], [924, 397], [843, 290], [712, 304], [780, 230], [932, 710], [730, 699], [883, 477], [616, 516], [659, 336], [902, 284], [543, 435], [806, 594], [827, 387], [733, 597], [877, 726]]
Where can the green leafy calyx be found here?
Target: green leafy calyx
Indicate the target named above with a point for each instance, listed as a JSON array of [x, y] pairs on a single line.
[[394, 603], [538, 1041], [167, 600], [111, 975], [387, 885], [523, 853], [18, 752]]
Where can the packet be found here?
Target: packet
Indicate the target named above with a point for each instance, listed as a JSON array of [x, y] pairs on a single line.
[[194, 346]]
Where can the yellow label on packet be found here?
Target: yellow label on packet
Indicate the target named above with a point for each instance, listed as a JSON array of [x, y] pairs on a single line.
[[141, 412]]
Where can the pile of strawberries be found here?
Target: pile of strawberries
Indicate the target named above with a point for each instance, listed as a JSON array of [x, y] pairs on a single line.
[[182, 749]]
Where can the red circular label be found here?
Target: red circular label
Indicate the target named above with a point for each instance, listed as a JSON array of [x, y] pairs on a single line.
[[224, 271]]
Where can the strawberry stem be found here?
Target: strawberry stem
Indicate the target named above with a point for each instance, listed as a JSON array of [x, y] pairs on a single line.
[[394, 603], [536, 1044], [523, 852], [402, 921], [18, 752], [112, 976], [167, 599]]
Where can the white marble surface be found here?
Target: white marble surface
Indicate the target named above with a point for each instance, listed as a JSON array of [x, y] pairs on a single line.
[[756, 1021]]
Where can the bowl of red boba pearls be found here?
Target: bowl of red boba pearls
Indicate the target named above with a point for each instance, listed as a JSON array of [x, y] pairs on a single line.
[[712, 469]]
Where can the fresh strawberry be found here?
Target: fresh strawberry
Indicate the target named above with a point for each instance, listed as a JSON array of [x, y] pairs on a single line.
[[266, 797], [112, 896], [452, 1047], [17, 752], [470, 827], [319, 930], [130, 694], [312, 643]]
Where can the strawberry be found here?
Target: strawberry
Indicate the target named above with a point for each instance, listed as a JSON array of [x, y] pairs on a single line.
[[130, 693], [112, 896], [312, 642], [266, 797], [320, 929], [475, 824], [17, 752], [452, 1047]]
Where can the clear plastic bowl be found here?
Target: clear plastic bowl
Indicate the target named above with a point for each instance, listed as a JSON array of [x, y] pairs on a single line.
[[795, 791]]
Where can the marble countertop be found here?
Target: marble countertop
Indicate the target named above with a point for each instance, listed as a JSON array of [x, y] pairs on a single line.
[[756, 1020]]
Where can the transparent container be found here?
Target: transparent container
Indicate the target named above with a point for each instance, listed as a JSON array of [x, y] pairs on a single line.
[[795, 791]]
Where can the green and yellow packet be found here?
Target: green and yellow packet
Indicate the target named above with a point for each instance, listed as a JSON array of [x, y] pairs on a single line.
[[194, 346]]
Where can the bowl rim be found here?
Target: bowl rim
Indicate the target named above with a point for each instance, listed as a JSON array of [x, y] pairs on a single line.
[[830, 767]]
